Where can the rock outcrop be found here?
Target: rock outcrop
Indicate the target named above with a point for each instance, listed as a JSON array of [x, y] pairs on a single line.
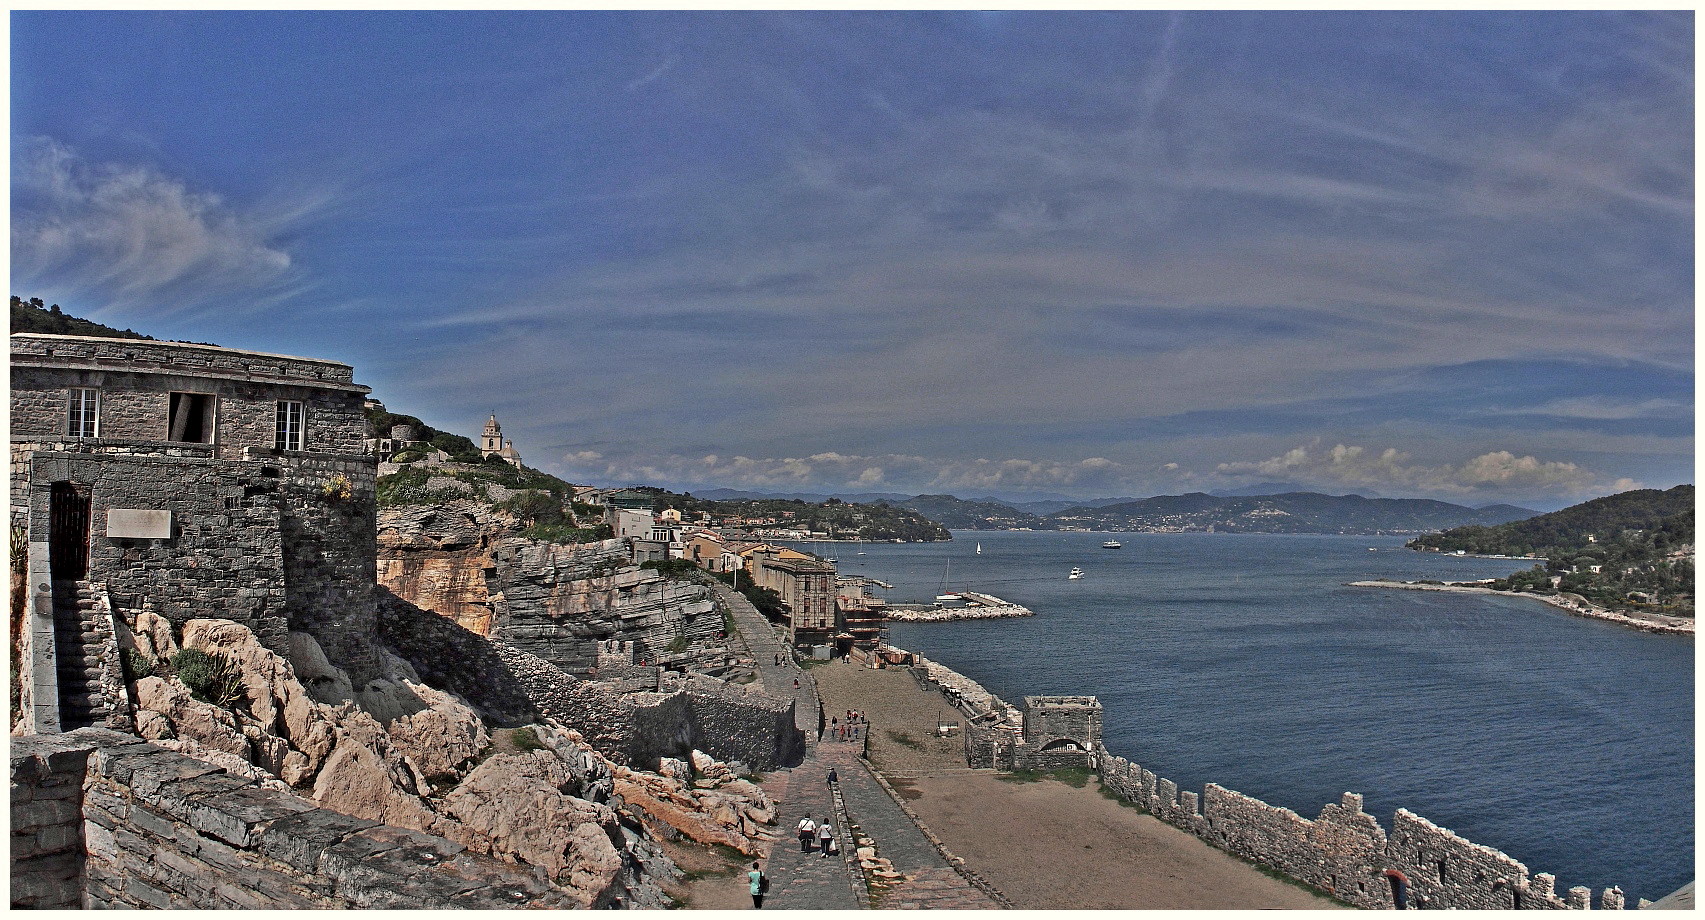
[[403, 753]]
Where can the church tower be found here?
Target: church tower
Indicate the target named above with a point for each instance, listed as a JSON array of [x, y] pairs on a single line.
[[491, 440]]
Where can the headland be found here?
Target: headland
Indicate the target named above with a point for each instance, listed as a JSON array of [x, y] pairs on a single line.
[[1568, 603]]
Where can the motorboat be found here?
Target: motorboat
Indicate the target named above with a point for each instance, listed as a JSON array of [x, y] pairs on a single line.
[[1076, 573], [1112, 544]]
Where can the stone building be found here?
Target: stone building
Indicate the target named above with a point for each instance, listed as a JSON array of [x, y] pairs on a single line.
[[807, 587], [1055, 732], [493, 443], [190, 481]]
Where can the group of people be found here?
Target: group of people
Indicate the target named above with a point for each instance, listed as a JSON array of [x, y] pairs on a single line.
[[849, 728], [823, 835]]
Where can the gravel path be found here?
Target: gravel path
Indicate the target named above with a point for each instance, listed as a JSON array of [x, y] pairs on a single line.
[[1042, 844]]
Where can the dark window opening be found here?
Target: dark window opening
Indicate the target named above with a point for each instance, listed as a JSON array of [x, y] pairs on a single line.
[[191, 418]]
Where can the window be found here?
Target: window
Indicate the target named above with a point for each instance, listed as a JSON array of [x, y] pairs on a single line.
[[85, 414], [191, 418], [289, 431]]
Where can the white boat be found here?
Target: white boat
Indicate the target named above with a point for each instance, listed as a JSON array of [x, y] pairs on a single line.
[[979, 549], [1111, 544], [1076, 573]]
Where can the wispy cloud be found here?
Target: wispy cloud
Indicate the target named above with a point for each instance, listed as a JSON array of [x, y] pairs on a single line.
[[130, 231]]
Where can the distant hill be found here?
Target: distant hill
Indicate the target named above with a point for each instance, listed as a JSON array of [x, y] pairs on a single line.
[[1275, 488], [1640, 542], [1295, 512], [836, 517], [726, 495], [959, 514], [34, 316]]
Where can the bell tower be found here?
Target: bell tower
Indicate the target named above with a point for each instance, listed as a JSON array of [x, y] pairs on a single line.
[[491, 440]]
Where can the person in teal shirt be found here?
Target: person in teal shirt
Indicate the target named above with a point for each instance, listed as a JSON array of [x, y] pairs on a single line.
[[759, 884]]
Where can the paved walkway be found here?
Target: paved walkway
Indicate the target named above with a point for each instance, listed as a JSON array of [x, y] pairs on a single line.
[[808, 880], [765, 641]]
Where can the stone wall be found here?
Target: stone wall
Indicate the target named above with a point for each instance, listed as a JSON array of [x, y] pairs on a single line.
[[103, 820], [136, 380], [225, 555], [256, 542], [687, 713], [1345, 852]]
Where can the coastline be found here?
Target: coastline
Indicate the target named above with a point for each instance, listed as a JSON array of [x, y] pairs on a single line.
[[1658, 623]]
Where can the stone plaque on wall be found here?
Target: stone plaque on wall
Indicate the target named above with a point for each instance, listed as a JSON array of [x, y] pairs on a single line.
[[137, 524]]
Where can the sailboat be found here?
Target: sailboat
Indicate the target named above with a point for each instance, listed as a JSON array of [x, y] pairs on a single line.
[[979, 549], [944, 597]]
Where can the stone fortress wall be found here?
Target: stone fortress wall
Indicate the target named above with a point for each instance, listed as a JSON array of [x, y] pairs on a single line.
[[104, 820], [1344, 852]]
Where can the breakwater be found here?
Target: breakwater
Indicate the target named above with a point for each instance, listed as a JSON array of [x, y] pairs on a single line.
[[978, 606], [1344, 852]]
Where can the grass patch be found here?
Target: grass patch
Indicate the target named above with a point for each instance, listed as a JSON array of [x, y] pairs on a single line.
[[1076, 777], [1107, 793], [906, 740], [525, 739], [809, 663]]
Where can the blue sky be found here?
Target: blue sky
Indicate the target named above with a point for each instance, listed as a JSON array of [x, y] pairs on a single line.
[[1445, 255]]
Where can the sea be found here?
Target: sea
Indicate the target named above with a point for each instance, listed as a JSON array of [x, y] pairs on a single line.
[[1245, 660]]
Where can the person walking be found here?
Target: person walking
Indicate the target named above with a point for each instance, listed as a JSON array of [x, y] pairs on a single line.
[[833, 776], [825, 836], [807, 833], [760, 886]]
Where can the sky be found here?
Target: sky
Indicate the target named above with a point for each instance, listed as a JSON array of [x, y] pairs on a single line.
[[1437, 255]]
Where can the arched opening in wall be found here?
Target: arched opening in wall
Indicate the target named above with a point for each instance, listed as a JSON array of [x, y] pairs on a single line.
[[1442, 875], [1061, 744], [1399, 888]]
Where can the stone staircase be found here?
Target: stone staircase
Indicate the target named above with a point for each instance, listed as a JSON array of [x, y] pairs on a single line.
[[83, 637]]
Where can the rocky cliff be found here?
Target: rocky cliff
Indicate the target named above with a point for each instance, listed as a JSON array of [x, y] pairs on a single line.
[[464, 560]]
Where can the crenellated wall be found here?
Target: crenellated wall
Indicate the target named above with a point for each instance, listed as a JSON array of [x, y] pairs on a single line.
[[1345, 852], [103, 820]]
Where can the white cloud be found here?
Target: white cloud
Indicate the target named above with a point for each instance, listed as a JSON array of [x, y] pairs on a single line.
[[823, 469], [129, 231], [1352, 466]]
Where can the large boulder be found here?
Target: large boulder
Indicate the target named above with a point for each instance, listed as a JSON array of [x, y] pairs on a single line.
[[277, 700], [177, 714], [442, 738], [520, 806]]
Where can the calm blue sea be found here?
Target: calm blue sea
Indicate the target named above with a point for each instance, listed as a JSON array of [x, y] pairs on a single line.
[[1244, 660]]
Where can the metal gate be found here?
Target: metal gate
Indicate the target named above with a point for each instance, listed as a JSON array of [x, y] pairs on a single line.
[[68, 540]]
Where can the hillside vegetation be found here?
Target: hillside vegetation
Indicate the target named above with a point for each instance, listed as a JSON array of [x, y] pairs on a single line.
[[1639, 542], [34, 316], [838, 519], [1295, 512]]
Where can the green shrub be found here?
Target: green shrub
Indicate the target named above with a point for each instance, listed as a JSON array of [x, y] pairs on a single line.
[[525, 739], [137, 665], [565, 533], [210, 678], [676, 567]]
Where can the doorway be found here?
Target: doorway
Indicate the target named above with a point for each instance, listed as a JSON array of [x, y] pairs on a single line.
[[68, 531]]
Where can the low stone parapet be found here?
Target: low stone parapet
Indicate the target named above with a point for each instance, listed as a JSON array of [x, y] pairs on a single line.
[[104, 820]]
